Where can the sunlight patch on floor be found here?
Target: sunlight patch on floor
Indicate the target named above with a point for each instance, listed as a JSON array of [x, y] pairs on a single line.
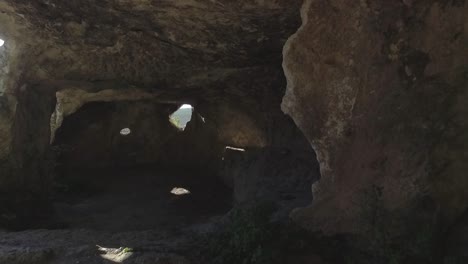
[[179, 191], [125, 131], [116, 255]]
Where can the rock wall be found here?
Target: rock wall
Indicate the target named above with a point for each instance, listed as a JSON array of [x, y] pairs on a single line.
[[10, 72], [26, 178], [275, 161], [90, 138], [162, 44], [222, 56], [379, 88], [70, 100]]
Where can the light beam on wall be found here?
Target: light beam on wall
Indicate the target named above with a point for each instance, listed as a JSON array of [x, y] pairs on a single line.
[[235, 149]]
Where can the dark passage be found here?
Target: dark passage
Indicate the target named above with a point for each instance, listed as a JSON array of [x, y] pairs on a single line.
[[150, 177], [140, 199]]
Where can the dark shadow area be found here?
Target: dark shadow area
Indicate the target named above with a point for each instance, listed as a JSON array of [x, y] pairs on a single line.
[[130, 187], [140, 198], [109, 180]]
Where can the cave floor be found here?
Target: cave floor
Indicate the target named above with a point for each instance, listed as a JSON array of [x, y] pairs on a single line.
[[141, 199], [131, 216]]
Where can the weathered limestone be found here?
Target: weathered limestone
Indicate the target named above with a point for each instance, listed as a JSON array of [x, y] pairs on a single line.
[[70, 100], [379, 88], [179, 51], [163, 44]]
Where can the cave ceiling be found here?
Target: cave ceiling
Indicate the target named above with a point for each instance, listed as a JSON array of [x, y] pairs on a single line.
[[153, 44]]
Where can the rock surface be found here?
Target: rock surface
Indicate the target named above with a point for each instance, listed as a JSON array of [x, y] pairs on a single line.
[[160, 44], [222, 56], [90, 247], [378, 88]]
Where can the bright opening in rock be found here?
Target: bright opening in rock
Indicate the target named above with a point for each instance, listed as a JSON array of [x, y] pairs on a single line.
[[181, 117], [125, 132], [2, 42]]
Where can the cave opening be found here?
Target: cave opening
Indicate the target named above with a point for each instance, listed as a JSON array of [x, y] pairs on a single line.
[[2, 42], [182, 116]]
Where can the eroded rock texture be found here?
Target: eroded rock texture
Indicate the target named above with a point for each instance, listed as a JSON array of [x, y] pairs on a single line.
[[74, 73], [183, 41], [380, 88]]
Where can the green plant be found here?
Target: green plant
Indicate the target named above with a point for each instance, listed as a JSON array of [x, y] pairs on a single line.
[[175, 121], [247, 239], [252, 238], [399, 236], [128, 250]]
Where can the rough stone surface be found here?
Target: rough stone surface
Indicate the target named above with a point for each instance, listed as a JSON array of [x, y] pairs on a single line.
[[266, 163], [277, 174], [70, 100], [82, 246], [78, 52], [91, 136], [378, 88], [118, 40]]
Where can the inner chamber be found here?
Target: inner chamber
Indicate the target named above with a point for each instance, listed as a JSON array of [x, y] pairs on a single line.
[[139, 165]]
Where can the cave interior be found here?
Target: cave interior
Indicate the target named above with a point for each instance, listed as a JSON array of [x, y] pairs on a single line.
[[219, 132]]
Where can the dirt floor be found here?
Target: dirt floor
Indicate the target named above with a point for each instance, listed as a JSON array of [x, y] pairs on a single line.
[[124, 216]]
